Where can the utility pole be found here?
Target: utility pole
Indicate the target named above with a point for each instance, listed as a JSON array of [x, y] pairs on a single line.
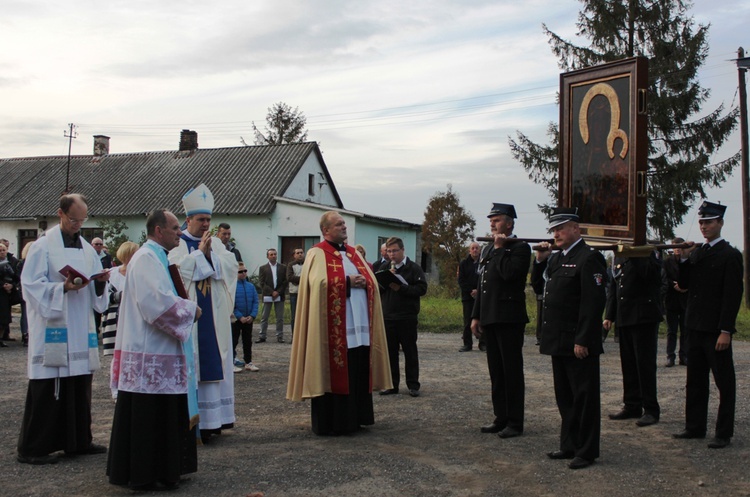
[[69, 135], [743, 63]]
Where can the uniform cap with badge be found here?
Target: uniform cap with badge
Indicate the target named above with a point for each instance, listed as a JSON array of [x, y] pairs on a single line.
[[561, 215]]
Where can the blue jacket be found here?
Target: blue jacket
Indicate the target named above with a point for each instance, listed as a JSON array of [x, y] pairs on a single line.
[[246, 300]]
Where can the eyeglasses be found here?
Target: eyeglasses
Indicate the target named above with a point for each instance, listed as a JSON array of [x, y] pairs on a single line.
[[98, 244], [76, 221], [243, 271]]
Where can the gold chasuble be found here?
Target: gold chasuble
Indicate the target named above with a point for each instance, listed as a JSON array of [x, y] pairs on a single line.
[[318, 363]]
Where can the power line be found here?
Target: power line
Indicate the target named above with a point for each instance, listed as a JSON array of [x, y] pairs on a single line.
[[404, 114]]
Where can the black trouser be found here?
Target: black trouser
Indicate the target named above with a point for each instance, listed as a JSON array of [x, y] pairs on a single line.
[[638, 348], [578, 400], [403, 332], [675, 320], [246, 331], [468, 307], [505, 363], [293, 308], [702, 358]]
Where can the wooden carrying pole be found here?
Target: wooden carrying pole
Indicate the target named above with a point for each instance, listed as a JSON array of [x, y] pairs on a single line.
[[625, 250]]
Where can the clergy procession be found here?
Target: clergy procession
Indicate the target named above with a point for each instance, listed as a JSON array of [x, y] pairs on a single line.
[[174, 359]]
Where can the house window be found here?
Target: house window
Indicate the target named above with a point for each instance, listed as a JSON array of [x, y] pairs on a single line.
[[311, 184], [90, 233]]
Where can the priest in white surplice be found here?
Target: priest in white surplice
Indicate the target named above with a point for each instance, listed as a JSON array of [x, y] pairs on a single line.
[[209, 272], [63, 348], [153, 440]]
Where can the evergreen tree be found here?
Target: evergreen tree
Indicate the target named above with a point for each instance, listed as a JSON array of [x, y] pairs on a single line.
[[680, 142], [283, 125]]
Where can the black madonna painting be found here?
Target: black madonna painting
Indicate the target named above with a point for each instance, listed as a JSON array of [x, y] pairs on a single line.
[[603, 149]]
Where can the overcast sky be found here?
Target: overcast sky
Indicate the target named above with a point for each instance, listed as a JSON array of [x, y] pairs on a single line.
[[404, 98]]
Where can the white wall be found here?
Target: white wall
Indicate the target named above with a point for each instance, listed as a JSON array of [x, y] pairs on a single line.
[[298, 188]]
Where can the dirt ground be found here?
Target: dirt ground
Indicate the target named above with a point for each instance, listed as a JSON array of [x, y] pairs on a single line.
[[426, 446]]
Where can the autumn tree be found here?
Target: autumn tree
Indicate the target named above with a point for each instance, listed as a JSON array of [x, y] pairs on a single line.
[[447, 229], [681, 137], [283, 125]]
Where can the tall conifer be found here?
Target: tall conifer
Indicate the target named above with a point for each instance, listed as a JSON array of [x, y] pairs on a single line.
[[681, 137]]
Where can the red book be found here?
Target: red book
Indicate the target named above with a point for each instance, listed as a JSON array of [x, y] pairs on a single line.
[[69, 270]]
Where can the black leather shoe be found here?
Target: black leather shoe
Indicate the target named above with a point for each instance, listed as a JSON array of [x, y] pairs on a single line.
[[560, 454], [95, 449], [3, 345], [482, 347], [390, 391], [685, 434], [647, 420], [491, 428], [280, 340], [718, 443], [37, 460], [414, 392], [580, 463], [509, 432], [465, 348], [625, 414], [158, 486], [683, 362], [91, 449], [260, 340], [670, 362]]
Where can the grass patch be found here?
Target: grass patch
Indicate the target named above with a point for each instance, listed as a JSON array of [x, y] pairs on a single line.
[[441, 313]]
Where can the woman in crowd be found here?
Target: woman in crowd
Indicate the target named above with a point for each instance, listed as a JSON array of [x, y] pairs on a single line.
[[363, 253], [9, 294], [24, 320], [116, 284]]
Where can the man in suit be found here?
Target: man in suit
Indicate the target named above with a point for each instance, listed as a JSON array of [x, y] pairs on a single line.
[[572, 280], [224, 233], [468, 278], [401, 314], [712, 275], [384, 260], [273, 283], [499, 316], [675, 304], [293, 273], [633, 303]]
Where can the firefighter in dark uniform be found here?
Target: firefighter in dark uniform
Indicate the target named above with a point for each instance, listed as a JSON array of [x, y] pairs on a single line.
[[500, 318], [572, 280], [712, 275], [634, 304]]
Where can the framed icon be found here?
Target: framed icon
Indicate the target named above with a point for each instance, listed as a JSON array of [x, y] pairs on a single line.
[[604, 149]]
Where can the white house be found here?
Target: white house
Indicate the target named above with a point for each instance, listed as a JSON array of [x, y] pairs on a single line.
[[272, 196]]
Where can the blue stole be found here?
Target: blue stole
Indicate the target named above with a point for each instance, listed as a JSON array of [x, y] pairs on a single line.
[[187, 347], [209, 355]]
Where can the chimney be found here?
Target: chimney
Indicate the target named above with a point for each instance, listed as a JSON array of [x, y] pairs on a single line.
[[101, 145], [188, 140]]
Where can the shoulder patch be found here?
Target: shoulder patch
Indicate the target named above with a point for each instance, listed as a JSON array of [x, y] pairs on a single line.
[[598, 279]]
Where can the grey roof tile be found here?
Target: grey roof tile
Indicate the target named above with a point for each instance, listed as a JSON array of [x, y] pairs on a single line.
[[244, 180]]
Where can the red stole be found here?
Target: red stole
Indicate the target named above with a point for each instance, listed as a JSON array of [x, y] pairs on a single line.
[[336, 312]]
